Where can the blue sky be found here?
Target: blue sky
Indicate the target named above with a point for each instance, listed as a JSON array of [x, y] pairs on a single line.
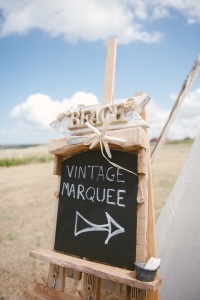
[[50, 51]]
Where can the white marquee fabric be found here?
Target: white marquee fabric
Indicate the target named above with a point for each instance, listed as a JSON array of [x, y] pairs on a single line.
[[178, 234]]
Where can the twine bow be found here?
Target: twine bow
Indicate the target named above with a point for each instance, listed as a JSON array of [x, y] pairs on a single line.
[[102, 137]]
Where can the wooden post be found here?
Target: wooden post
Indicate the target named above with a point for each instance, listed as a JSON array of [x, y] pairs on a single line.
[[151, 246], [110, 70], [107, 97], [152, 250]]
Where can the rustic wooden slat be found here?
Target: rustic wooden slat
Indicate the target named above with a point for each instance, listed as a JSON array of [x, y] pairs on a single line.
[[57, 165], [136, 138], [151, 249], [97, 269], [142, 220], [110, 70], [96, 292], [151, 245], [142, 161], [60, 281], [55, 211], [42, 292]]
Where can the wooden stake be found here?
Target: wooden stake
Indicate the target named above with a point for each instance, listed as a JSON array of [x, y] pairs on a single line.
[[107, 97], [151, 246], [57, 165], [152, 250], [110, 70]]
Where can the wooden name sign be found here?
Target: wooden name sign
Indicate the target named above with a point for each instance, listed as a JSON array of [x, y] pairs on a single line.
[[125, 112], [97, 208]]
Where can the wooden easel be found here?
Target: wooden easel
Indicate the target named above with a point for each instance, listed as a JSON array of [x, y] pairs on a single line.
[[96, 275]]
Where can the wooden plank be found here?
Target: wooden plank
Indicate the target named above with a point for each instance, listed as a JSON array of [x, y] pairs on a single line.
[[152, 249], [55, 211], [125, 115], [97, 269], [142, 161], [151, 245], [136, 138], [142, 220], [60, 281], [107, 97], [69, 272], [142, 213], [42, 292], [57, 165], [110, 70]]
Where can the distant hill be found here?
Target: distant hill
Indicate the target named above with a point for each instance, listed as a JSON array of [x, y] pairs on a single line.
[[18, 146]]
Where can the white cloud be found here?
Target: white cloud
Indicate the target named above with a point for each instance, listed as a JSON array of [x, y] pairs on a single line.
[[92, 20], [39, 110], [156, 118], [186, 123]]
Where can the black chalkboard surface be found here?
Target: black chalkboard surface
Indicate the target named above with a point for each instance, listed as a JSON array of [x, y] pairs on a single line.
[[97, 208]]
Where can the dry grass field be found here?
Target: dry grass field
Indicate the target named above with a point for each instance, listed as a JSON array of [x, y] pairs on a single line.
[[27, 209]]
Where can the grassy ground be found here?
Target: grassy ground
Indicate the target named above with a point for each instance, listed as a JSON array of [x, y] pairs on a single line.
[[27, 210], [24, 156]]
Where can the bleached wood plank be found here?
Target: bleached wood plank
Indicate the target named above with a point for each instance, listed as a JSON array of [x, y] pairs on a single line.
[[142, 220], [135, 138], [97, 269], [110, 70], [42, 292], [151, 249], [96, 291], [60, 281], [57, 165], [142, 162]]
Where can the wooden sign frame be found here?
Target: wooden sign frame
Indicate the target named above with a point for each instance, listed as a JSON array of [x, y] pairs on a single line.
[[62, 265]]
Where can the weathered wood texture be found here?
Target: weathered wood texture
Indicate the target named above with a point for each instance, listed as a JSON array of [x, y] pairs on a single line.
[[135, 138], [151, 245], [56, 193], [42, 292], [110, 70], [96, 290], [152, 249], [142, 161], [142, 220], [57, 165], [97, 269], [60, 285], [60, 280]]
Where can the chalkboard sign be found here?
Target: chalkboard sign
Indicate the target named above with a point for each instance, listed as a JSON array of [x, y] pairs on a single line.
[[97, 208]]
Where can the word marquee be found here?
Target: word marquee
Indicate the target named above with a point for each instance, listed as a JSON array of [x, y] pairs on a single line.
[[92, 193]]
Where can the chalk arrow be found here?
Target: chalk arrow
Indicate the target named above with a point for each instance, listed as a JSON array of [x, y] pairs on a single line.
[[96, 227]]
